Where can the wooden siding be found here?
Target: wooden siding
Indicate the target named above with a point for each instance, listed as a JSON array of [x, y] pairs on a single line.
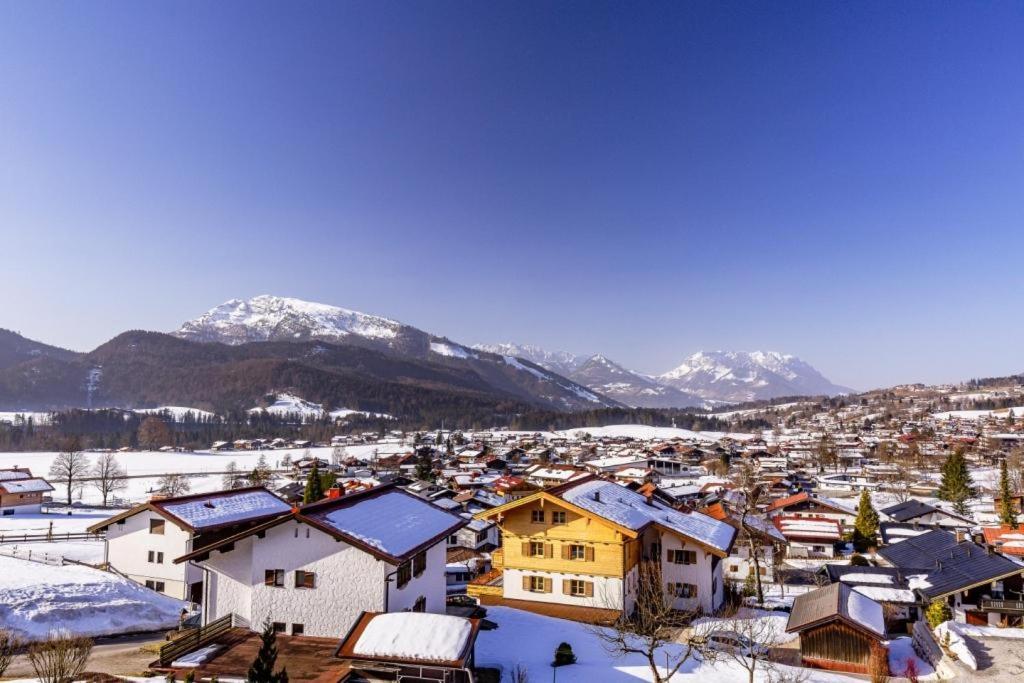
[[836, 646], [606, 551]]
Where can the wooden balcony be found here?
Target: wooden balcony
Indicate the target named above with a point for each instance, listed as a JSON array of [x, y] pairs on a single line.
[[993, 605]]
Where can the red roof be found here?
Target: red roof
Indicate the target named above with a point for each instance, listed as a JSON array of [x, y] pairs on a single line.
[[790, 500], [1006, 539]]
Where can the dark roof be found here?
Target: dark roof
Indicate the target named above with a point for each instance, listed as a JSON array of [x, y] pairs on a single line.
[[948, 565], [824, 605], [911, 509]]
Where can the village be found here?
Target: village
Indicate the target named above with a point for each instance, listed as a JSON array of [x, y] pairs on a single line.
[[880, 538]]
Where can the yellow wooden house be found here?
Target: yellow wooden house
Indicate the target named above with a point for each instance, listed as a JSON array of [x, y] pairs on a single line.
[[581, 544]]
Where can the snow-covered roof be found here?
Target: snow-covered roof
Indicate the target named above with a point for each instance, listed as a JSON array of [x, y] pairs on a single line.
[[633, 511], [415, 636], [26, 486], [393, 521], [9, 475], [854, 577], [866, 612], [886, 594], [225, 507]]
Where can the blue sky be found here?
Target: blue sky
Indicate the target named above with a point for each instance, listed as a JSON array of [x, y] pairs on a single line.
[[842, 181]]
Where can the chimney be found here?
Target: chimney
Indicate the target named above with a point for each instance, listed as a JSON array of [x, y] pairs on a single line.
[[334, 493]]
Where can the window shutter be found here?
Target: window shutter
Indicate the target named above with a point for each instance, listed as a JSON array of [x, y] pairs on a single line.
[[565, 551], [526, 548], [549, 550], [588, 553], [547, 585], [588, 588], [526, 583], [668, 555], [566, 587]]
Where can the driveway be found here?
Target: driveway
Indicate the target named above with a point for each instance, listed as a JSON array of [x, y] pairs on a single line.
[[125, 655], [999, 659]]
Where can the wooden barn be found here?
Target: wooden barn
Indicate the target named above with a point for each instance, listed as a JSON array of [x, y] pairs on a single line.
[[839, 628]]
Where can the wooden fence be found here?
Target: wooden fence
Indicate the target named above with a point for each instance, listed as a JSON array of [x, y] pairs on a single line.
[[195, 638], [49, 537]]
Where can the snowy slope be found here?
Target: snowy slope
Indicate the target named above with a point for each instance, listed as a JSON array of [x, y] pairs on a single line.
[[614, 381], [562, 362], [747, 376], [273, 318]]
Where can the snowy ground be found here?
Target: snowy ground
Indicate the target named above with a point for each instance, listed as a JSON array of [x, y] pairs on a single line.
[[36, 598], [530, 640], [57, 522], [146, 467]]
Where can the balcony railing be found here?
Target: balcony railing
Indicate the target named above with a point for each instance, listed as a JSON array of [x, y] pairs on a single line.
[[993, 605]]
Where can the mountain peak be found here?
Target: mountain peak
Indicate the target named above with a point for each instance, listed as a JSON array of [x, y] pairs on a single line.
[[276, 318], [748, 375]]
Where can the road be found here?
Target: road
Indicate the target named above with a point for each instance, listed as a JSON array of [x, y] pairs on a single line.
[[125, 655]]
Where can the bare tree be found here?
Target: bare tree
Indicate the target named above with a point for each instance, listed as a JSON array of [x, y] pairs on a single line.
[[109, 476], [70, 468], [653, 624], [746, 482], [1015, 469], [154, 433], [518, 674], [9, 644], [174, 484], [899, 482], [338, 455], [233, 478], [749, 641], [60, 658]]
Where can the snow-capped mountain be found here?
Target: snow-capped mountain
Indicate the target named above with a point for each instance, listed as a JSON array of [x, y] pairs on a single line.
[[748, 376], [274, 318], [611, 379], [268, 318], [562, 362]]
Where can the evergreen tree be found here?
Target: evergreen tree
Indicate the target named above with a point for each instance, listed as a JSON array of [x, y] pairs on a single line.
[[425, 465], [327, 481], [314, 486], [956, 487], [262, 669], [1007, 515], [865, 527]]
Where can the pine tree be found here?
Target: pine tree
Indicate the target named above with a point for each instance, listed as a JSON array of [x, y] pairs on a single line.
[[425, 466], [314, 486], [262, 669], [866, 525], [956, 486], [1007, 515]]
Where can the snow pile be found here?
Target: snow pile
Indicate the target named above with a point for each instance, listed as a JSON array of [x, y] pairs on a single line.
[[393, 522], [956, 643], [228, 507], [37, 598], [989, 631], [415, 635], [901, 651], [866, 612]]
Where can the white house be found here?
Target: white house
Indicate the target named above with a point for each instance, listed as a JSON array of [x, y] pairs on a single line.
[[142, 542], [314, 571]]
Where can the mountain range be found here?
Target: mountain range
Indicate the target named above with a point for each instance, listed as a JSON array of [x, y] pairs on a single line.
[[242, 353], [704, 378]]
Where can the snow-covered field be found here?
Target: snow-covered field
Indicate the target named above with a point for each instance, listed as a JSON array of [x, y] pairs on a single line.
[[529, 640], [645, 432], [56, 522], [146, 467], [36, 598]]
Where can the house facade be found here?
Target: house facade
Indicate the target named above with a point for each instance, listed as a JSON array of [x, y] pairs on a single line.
[[21, 493], [142, 542], [315, 570], [582, 544]]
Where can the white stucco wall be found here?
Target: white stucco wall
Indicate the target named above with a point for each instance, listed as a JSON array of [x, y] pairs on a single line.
[[9, 510], [128, 547], [709, 591], [348, 581]]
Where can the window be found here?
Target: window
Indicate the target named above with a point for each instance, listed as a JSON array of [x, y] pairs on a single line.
[[156, 526], [536, 549], [157, 586], [734, 568], [683, 590], [404, 574], [419, 563], [298, 629], [304, 579], [655, 550], [577, 552], [682, 556], [279, 627], [578, 588], [420, 605], [273, 577], [155, 557], [558, 517], [538, 584], [453, 540], [537, 516]]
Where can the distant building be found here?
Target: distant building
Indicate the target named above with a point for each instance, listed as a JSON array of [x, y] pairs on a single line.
[[20, 492]]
